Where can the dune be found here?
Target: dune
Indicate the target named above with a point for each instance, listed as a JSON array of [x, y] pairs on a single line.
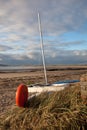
[[63, 110]]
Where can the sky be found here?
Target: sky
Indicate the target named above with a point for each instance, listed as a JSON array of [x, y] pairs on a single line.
[[64, 29]]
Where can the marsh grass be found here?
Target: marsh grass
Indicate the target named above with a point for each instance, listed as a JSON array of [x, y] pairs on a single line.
[[62, 110]]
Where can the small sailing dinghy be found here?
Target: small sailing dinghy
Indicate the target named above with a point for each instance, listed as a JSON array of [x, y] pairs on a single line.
[[23, 90], [22, 94]]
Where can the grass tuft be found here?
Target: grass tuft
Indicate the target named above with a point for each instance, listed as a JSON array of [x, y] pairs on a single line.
[[62, 110]]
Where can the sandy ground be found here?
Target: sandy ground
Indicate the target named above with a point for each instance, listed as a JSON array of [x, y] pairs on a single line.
[[9, 82]]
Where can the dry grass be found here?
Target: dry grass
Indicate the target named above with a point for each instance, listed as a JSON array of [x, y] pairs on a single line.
[[62, 110]]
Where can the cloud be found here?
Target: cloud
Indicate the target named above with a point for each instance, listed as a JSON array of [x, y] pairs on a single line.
[[19, 33], [5, 48], [57, 57], [57, 16], [80, 53], [72, 44]]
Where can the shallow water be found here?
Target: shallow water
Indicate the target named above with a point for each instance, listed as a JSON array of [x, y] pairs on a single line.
[[16, 68]]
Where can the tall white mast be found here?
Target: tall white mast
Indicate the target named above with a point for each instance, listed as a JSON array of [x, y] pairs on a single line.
[[42, 48]]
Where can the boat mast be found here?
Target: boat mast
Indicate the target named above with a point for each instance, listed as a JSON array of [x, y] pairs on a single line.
[[42, 48]]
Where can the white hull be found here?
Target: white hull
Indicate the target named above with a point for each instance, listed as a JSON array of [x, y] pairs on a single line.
[[39, 89]]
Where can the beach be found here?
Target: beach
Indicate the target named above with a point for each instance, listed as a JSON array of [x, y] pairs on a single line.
[[9, 81]]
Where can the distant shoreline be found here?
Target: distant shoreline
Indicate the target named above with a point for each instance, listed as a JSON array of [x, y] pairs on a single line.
[[14, 69]]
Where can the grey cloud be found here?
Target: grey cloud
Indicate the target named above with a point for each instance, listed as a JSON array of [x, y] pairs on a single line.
[[59, 17], [15, 59], [18, 21], [73, 43], [68, 57], [5, 48], [59, 57]]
